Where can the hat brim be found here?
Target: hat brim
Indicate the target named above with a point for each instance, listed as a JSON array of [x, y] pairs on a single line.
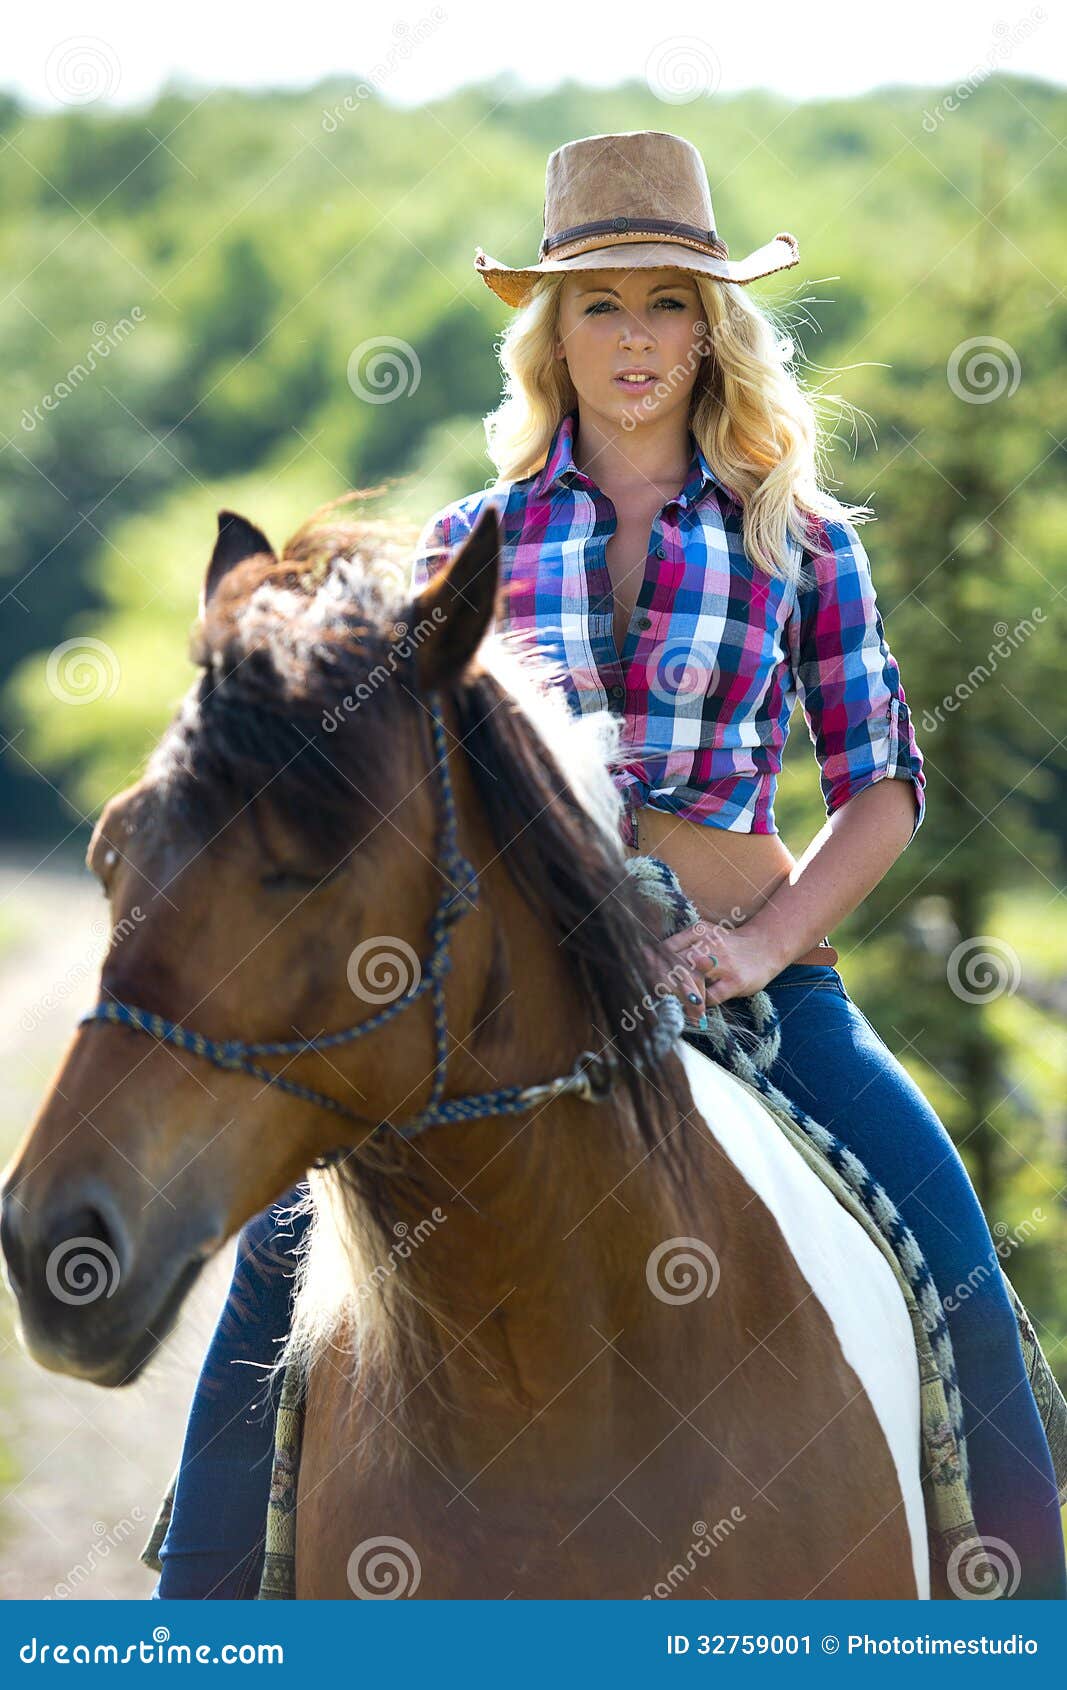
[[513, 286]]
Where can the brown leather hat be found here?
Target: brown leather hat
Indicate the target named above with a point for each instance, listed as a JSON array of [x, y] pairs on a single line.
[[636, 200]]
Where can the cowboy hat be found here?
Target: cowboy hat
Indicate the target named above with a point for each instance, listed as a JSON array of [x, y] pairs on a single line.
[[636, 200]]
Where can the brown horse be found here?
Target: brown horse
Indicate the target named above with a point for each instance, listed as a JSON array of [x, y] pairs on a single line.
[[583, 1349]]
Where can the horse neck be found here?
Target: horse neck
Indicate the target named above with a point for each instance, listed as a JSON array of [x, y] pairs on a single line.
[[543, 1222], [526, 1292]]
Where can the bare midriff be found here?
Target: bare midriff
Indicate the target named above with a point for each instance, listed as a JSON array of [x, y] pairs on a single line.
[[729, 876]]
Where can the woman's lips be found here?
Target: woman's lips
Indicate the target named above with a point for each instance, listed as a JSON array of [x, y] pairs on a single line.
[[635, 386]]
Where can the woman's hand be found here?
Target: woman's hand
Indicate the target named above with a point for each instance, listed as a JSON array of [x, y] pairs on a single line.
[[713, 963]]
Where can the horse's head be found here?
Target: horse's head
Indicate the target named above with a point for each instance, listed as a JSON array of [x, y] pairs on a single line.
[[255, 883], [273, 877]]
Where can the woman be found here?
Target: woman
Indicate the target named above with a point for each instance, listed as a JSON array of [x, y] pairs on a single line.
[[665, 539]]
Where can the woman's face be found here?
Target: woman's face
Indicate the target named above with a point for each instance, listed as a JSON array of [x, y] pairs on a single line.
[[616, 320]]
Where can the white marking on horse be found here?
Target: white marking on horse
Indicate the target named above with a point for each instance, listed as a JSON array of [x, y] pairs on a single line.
[[844, 1268]]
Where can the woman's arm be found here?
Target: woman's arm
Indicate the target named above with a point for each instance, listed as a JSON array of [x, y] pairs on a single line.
[[871, 770], [843, 863], [846, 861]]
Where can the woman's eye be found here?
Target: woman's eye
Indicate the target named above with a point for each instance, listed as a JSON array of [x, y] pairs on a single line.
[[603, 305]]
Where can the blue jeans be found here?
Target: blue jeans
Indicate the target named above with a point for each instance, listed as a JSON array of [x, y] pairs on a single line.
[[832, 1063], [216, 1537]]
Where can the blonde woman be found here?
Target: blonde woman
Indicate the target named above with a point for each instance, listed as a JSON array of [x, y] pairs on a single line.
[[666, 540]]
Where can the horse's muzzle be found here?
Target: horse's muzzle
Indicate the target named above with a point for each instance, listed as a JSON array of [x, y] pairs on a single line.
[[89, 1303]]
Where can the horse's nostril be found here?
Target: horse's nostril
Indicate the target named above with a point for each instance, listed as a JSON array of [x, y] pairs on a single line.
[[85, 1254]]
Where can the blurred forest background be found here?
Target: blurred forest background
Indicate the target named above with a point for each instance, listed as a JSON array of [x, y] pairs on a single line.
[[262, 301]]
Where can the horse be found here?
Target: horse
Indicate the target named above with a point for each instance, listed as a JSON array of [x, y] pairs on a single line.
[[573, 1319]]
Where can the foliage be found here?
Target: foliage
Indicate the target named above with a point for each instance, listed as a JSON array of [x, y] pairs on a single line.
[[196, 292]]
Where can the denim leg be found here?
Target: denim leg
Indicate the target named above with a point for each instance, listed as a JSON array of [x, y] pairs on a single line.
[[215, 1540], [834, 1064]]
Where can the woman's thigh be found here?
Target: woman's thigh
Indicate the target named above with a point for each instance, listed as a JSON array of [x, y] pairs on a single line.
[[213, 1544], [837, 1067]]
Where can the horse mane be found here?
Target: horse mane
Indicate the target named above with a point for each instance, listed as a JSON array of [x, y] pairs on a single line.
[[281, 642]]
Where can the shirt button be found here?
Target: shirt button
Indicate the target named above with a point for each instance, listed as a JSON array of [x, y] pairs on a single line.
[[644, 622], [618, 692], [661, 551]]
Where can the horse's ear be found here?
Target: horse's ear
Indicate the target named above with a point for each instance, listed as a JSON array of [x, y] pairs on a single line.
[[237, 539], [458, 604]]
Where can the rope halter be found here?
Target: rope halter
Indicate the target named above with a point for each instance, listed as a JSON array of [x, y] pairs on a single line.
[[592, 1078]]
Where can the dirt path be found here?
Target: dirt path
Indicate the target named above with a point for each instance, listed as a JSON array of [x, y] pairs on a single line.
[[81, 1469]]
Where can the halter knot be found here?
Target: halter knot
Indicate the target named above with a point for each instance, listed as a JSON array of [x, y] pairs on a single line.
[[465, 886]]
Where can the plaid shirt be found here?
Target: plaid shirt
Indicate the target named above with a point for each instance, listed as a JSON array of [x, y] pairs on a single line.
[[716, 653]]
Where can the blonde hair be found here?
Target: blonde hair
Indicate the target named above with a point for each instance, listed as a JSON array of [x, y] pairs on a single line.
[[758, 428]]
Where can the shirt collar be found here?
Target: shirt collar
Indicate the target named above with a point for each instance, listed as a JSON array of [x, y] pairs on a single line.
[[559, 464]]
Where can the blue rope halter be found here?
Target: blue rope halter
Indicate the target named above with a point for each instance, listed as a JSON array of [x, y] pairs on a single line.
[[592, 1078]]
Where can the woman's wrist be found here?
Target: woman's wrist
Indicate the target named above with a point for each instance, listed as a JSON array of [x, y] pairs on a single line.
[[774, 940]]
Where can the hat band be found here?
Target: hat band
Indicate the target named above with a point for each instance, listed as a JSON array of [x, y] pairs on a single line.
[[688, 234]]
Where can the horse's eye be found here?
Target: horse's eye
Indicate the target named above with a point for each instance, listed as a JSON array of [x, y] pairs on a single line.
[[102, 872], [287, 880], [294, 880]]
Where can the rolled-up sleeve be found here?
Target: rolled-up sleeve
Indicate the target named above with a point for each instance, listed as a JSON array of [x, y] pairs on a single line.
[[846, 677]]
